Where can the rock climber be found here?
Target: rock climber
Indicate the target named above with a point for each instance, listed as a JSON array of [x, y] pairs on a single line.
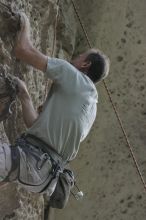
[[67, 115]]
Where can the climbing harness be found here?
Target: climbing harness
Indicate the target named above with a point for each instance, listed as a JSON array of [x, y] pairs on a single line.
[[42, 157], [113, 105]]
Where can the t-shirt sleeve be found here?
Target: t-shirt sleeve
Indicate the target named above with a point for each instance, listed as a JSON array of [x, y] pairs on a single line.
[[58, 70]]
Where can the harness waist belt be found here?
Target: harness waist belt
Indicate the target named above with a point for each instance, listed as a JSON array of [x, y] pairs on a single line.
[[38, 143]]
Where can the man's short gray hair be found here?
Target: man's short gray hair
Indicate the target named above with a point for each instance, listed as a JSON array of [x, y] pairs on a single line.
[[100, 65]]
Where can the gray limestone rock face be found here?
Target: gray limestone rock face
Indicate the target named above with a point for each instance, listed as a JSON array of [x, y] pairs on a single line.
[[15, 202]]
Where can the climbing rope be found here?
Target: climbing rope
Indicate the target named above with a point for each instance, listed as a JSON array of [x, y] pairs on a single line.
[[113, 105]]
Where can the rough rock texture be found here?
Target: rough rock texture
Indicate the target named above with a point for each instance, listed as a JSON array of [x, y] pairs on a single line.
[[16, 203], [104, 169]]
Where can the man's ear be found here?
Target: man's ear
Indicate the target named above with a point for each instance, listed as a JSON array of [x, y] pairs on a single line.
[[86, 64]]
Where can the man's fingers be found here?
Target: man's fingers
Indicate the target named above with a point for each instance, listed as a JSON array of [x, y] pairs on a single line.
[[21, 86], [24, 21]]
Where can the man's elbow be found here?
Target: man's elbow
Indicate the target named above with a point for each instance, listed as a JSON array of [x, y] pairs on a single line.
[[29, 123]]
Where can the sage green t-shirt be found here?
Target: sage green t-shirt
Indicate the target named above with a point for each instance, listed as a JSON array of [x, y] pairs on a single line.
[[69, 111]]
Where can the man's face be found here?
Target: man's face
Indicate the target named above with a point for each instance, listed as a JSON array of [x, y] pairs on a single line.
[[80, 60]]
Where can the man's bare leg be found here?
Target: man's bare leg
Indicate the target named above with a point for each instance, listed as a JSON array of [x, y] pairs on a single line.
[[24, 49]]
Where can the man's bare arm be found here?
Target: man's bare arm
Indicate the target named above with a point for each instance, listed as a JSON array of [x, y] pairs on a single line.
[[32, 56], [24, 49], [29, 113]]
